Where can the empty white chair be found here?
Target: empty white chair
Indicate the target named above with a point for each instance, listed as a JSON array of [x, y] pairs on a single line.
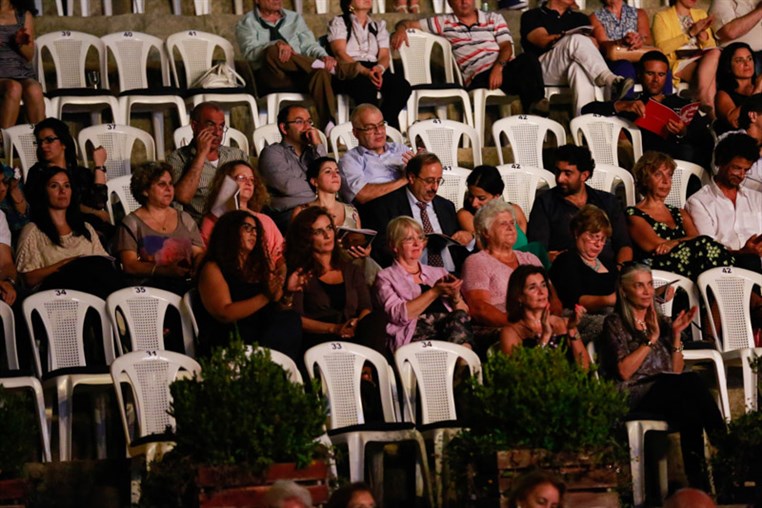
[[443, 137], [606, 177], [119, 141], [62, 314], [678, 194], [270, 134], [20, 140], [522, 182], [602, 136], [526, 136], [342, 134], [454, 186], [119, 187]]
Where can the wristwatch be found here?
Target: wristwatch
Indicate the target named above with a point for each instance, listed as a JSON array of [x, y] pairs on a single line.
[[100, 168]]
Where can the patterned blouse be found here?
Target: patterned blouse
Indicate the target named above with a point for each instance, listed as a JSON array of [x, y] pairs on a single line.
[[618, 28]]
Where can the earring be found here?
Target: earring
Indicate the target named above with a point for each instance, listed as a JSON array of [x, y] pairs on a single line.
[[351, 9]]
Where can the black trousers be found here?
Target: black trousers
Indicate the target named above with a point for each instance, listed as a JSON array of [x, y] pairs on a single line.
[[395, 91], [522, 76]]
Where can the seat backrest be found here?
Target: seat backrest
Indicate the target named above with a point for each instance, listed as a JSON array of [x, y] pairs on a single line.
[[183, 135], [521, 184], [186, 307], [443, 137], [196, 51], [607, 177], [342, 133], [144, 309], [20, 139], [149, 374], [62, 313], [526, 135], [602, 136], [339, 366], [731, 287], [416, 57], [454, 186], [118, 140], [269, 134], [9, 333], [131, 51], [284, 361], [429, 365], [660, 278], [678, 194], [69, 50], [120, 187]]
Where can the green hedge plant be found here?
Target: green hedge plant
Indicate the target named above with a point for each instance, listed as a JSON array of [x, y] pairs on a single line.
[[17, 432]]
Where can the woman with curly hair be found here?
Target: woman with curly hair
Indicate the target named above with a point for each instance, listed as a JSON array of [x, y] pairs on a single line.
[[336, 298], [239, 294]]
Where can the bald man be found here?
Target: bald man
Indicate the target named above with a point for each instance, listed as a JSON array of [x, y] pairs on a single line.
[[689, 498]]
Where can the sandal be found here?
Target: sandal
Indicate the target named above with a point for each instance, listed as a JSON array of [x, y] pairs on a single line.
[[415, 9], [402, 8]]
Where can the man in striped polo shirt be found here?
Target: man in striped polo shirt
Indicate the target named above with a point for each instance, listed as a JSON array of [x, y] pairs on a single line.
[[483, 49]]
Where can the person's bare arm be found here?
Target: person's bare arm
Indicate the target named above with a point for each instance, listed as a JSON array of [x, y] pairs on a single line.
[[35, 277], [371, 191], [541, 38], [741, 25], [482, 311], [187, 185], [7, 266], [399, 37], [594, 303], [27, 47], [644, 28], [726, 108], [215, 296]]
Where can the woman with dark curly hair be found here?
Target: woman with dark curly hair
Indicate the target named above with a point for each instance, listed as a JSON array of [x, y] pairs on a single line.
[[354, 495], [18, 79], [336, 298], [537, 489], [240, 294], [736, 82], [253, 197], [158, 245]]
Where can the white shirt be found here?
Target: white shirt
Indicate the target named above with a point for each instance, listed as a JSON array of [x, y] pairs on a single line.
[[753, 178], [725, 11], [715, 216], [449, 264]]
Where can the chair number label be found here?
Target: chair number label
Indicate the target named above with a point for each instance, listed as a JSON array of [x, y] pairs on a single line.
[[523, 117], [60, 292], [437, 120], [152, 353], [727, 269], [65, 33], [446, 168], [127, 34], [515, 166], [336, 345], [110, 126], [140, 289], [426, 343], [191, 33]]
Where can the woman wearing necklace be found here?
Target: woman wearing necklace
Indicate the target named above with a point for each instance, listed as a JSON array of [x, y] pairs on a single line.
[[530, 323], [643, 352], [158, 245], [421, 302]]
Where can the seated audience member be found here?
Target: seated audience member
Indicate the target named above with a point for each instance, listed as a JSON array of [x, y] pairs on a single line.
[[56, 148], [579, 276], [419, 200], [354, 495], [8, 274], [664, 234], [690, 142], [324, 178], [194, 165], [553, 210], [283, 165], [355, 37], [158, 245], [252, 197], [536, 489], [284, 55], [736, 82], [336, 298], [483, 49], [421, 302], [684, 34], [643, 352], [750, 121], [240, 294], [739, 22], [18, 79], [725, 209], [572, 59], [58, 247], [486, 273], [689, 498], [287, 494], [623, 34], [374, 167], [530, 322], [13, 203]]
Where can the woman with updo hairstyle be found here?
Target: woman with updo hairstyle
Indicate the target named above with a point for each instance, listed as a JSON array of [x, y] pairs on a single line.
[[537, 489], [664, 234]]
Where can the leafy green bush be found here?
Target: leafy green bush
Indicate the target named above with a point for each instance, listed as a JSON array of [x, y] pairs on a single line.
[[739, 458], [17, 431]]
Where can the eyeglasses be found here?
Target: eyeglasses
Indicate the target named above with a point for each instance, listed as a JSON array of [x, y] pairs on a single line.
[[372, 128], [431, 180], [589, 237], [47, 140], [300, 122], [329, 229], [409, 240], [211, 125], [249, 228], [244, 178]]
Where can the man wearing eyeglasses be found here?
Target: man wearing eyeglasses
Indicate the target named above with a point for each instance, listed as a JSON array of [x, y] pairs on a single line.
[[283, 166], [194, 165], [419, 200]]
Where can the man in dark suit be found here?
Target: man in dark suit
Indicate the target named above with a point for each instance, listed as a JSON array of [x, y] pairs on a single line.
[[419, 200]]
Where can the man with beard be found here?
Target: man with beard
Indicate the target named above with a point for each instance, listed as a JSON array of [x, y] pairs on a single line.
[[553, 210]]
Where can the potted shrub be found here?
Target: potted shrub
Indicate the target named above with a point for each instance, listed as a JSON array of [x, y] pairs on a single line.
[[535, 409], [235, 426], [17, 443]]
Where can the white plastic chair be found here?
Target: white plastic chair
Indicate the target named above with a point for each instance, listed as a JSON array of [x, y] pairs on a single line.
[[522, 182], [120, 187], [12, 377], [339, 366], [144, 309], [526, 135], [148, 375], [416, 63], [292, 371], [678, 194], [269, 134], [184, 135], [427, 368], [68, 50], [342, 134], [454, 187], [20, 140], [119, 141], [108, 9], [731, 287], [131, 51], [62, 313], [196, 50], [602, 136], [607, 177], [693, 356], [186, 307], [443, 137]]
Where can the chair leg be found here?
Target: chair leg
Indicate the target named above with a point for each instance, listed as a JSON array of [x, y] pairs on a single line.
[[65, 398], [356, 458], [426, 471], [177, 7], [439, 444], [157, 119], [39, 404], [749, 382], [636, 438]]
